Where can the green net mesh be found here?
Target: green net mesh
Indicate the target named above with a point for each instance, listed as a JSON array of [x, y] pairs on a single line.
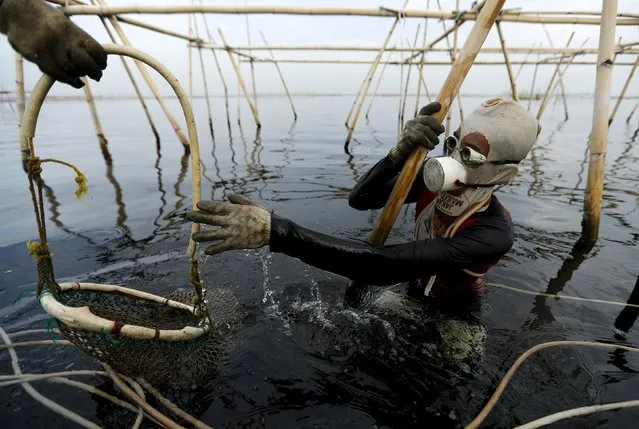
[[182, 364]]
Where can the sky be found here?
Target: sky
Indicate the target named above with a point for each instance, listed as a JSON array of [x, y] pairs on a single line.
[[330, 30]]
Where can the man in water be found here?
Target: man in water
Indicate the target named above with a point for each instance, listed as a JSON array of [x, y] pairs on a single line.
[[461, 229], [45, 36]]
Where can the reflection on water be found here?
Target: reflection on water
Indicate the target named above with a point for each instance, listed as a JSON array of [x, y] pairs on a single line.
[[303, 360]]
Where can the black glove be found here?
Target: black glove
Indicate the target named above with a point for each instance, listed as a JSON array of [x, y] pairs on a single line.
[[45, 36], [422, 130]]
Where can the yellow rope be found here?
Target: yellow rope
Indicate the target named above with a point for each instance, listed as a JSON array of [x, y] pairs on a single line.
[[548, 295]]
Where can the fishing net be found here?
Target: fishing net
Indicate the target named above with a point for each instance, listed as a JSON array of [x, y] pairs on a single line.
[[178, 339]]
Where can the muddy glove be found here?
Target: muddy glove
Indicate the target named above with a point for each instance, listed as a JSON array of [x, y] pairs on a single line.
[[44, 35], [243, 224], [423, 130]]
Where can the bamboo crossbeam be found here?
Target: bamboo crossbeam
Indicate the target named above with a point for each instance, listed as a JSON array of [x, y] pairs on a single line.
[[329, 11], [550, 61], [599, 133]]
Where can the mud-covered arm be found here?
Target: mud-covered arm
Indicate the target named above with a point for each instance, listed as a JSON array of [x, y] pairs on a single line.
[[482, 242], [45, 36], [373, 188]]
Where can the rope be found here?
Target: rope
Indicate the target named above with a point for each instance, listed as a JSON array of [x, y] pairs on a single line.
[[549, 295], [474, 424]]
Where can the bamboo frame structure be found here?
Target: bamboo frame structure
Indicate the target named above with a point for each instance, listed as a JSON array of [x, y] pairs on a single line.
[[599, 134]]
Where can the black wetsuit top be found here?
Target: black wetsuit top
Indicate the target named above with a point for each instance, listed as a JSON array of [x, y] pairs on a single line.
[[488, 237]]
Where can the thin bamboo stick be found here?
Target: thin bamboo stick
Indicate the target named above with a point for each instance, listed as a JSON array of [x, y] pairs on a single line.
[[632, 112], [219, 69], [20, 99], [369, 79], [204, 80], [599, 134], [561, 79], [279, 72], [511, 77], [408, 78], [451, 86], [377, 85], [327, 11], [248, 38], [421, 64], [359, 94], [521, 67], [241, 81], [449, 115], [149, 81], [133, 81], [190, 58], [532, 86], [453, 57], [542, 105], [94, 112], [399, 109], [623, 91]]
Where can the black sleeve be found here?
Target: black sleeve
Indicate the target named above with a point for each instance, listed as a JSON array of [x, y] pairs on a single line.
[[481, 243], [374, 188]]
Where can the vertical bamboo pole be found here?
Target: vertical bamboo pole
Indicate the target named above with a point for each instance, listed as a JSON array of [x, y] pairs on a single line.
[[149, 81], [279, 72], [369, 79], [401, 86], [94, 112], [410, 67], [454, 56], [240, 80], [623, 91], [511, 77], [542, 106], [21, 101], [421, 62], [248, 38], [462, 65], [190, 56], [204, 80], [379, 81], [132, 78], [561, 80], [599, 134], [532, 86], [219, 69]]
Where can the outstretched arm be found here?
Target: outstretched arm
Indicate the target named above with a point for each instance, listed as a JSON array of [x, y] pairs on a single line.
[[246, 225], [45, 36]]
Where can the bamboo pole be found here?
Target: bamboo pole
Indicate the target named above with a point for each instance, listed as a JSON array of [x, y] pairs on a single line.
[[154, 89], [369, 79], [623, 91], [327, 11], [94, 113], [532, 86], [408, 78], [599, 134], [377, 85], [561, 78], [401, 85], [133, 81], [190, 56], [453, 57], [548, 61], [542, 105], [449, 115], [511, 77], [248, 38], [421, 64], [632, 112], [204, 80], [521, 67], [279, 72], [359, 94], [20, 101], [240, 81], [450, 88], [219, 69]]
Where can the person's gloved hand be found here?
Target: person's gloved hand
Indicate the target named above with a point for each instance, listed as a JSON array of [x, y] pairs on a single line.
[[243, 224], [423, 130], [45, 36]]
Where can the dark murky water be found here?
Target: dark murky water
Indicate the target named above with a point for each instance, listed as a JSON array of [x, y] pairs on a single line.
[[302, 359]]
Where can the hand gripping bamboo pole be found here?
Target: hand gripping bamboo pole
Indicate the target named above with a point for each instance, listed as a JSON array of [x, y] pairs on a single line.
[[511, 77], [623, 91], [149, 81], [240, 80], [451, 86], [599, 133], [279, 72]]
